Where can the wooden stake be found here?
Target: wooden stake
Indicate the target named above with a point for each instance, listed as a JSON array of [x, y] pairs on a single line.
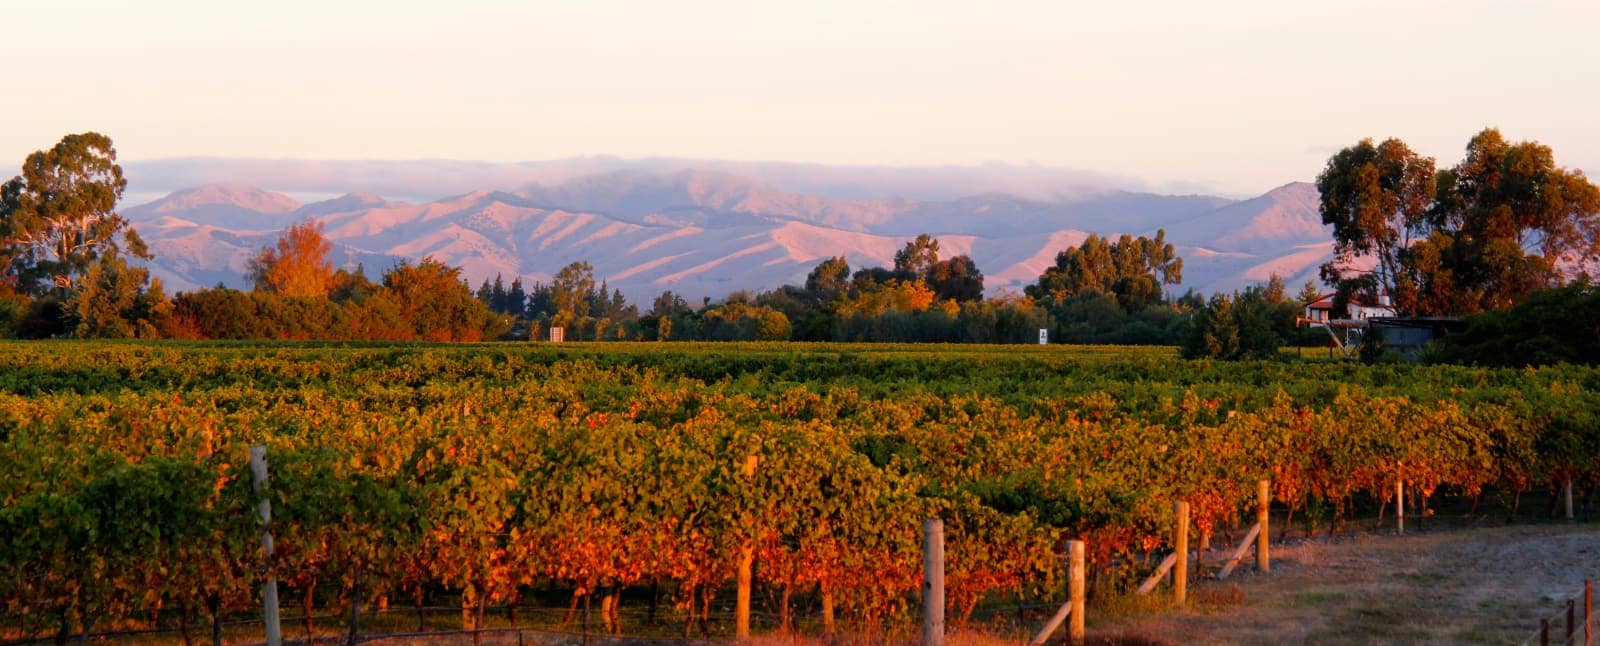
[[355, 615], [269, 590], [1233, 559], [741, 608], [827, 611], [1400, 506], [1570, 517], [1572, 624], [1263, 505], [1077, 591], [1043, 636], [1075, 599], [1160, 573], [1180, 576], [1588, 612], [932, 582]]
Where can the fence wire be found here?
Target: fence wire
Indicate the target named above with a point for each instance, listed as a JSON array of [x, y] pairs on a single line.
[[546, 625], [1556, 624]]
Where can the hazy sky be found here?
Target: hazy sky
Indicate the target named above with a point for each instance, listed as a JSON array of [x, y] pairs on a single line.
[[1234, 97]]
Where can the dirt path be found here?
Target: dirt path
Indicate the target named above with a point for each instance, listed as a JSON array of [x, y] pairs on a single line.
[[1459, 586]]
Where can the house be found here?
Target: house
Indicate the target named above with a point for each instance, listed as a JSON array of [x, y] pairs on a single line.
[[1319, 313], [1361, 308], [1320, 310], [1405, 335]]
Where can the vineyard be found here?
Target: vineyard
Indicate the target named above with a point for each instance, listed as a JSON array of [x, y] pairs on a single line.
[[477, 475]]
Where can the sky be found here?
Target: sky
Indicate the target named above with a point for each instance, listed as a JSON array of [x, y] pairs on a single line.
[[1223, 97]]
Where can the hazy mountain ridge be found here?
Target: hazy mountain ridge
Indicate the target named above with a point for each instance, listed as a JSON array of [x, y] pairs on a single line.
[[707, 233], [428, 179]]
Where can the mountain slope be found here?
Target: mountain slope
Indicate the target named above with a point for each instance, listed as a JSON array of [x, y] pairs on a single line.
[[705, 234], [222, 205], [1282, 218], [717, 199]]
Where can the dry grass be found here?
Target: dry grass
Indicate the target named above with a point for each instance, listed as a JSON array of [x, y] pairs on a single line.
[[1464, 586]]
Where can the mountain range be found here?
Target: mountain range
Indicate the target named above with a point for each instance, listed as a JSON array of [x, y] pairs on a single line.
[[705, 233]]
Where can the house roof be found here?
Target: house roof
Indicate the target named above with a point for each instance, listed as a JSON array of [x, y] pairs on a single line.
[[1325, 302]]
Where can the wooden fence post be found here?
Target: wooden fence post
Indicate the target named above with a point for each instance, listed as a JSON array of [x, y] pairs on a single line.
[[1570, 517], [1073, 608], [827, 610], [1572, 624], [1076, 590], [744, 575], [1588, 612], [932, 582], [1180, 576], [1263, 505], [269, 590], [1400, 506], [741, 608], [355, 616]]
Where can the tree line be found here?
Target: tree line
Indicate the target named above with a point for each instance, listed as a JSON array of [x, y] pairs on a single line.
[[1481, 236]]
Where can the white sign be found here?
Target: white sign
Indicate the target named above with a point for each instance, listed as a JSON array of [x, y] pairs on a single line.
[[1044, 336]]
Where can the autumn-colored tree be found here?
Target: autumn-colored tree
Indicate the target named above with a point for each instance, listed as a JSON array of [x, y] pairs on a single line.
[[897, 296], [1507, 222], [438, 305], [297, 265]]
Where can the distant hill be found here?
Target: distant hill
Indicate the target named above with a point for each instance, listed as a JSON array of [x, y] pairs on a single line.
[[223, 205], [710, 232]]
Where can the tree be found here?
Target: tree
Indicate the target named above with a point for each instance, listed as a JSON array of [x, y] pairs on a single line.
[[433, 299], [1376, 198], [1132, 269], [1241, 326], [570, 291], [774, 326], [668, 304], [829, 279], [957, 279], [1308, 294], [869, 279], [1503, 223], [112, 302], [517, 299], [351, 286], [1560, 325], [59, 215], [1212, 331], [1507, 222], [297, 265], [917, 258]]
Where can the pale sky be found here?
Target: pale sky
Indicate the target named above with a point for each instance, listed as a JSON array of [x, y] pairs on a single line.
[[1231, 97]]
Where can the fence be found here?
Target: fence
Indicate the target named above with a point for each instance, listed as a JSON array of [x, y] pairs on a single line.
[[1575, 625]]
